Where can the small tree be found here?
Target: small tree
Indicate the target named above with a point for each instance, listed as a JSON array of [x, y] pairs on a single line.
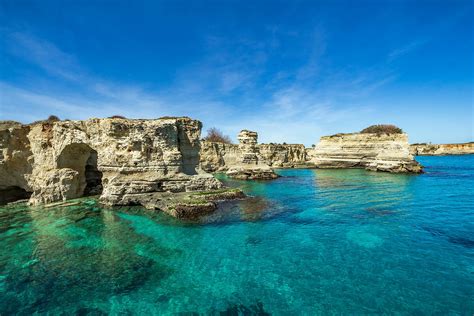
[[382, 129], [215, 135]]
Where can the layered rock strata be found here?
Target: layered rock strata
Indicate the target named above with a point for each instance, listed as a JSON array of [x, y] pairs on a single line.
[[218, 157], [248, 163], [284, 155], [377, 152], [119, 158], [442, 149]]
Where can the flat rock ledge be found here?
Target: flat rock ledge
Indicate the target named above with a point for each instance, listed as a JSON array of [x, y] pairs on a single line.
[[252, 174], [184, 205]]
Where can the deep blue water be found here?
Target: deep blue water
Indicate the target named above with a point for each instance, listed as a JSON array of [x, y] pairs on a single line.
[[311, 242]]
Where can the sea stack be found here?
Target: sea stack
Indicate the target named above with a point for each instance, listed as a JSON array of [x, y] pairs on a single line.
[[376, 151], [249, 165]]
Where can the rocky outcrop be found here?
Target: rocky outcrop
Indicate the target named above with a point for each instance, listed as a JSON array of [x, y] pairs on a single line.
[[119, 158], [15, 158], [188, 205], [216, 157], [249, 165], [283, 155], [377, 152], [442, 149], [242, 161]]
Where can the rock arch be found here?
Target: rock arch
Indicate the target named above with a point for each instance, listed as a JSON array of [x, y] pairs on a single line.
[[83, 159]]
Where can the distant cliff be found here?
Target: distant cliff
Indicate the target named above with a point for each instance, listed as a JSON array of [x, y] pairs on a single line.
[[242, 161], [372, 151], [217, 156], [442, 149], [283, 155]]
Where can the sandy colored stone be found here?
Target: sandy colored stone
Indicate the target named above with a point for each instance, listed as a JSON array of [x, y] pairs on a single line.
[[49, 159], [377, 152], [442, 149], [249, 164]]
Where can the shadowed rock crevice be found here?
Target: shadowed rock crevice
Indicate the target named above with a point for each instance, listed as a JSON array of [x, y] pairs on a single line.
[[12, 194]]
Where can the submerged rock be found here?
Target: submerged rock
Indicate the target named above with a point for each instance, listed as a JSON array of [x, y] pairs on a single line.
[[184, 205]]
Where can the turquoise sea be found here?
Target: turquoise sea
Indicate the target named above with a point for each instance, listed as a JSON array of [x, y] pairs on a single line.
[[312, 242]]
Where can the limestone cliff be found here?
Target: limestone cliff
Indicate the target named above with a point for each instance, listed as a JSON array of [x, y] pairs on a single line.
[[220, 156], [442, 149], [283, 155], [120, 158], [372, 151], [378, 152], [249, 164], [15, 162]]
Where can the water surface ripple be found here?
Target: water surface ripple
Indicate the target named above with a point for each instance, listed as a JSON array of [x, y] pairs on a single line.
[[311, 242]]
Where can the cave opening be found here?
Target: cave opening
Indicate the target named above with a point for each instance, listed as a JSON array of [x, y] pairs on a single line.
[[83, 159], [12, 194], [93, 175]]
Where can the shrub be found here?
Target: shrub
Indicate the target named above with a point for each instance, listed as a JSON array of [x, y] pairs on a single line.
[[49, 120], [117, 117], [382, 129], [53, 118], [215, 135]]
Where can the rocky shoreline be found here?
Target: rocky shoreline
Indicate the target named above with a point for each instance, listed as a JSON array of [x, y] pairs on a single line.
[[163, 164], [425, 149], [122, 160], [371, 151]]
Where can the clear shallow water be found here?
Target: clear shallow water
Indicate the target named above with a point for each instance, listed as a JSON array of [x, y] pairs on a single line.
[[311, 242]]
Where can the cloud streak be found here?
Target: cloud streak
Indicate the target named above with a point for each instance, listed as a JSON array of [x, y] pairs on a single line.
[[231, 88]]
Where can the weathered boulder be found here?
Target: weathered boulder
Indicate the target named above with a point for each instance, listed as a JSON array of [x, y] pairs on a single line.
[[377, 152], [442, 149]]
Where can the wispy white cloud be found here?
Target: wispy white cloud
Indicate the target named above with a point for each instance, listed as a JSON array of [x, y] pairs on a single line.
[[45, 55], [408, 48], [295, 105]]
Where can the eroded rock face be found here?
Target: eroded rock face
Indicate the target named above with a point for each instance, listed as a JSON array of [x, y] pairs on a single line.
[[15, 162], [120, 157], [283, 155], [377, 152], [217, 157], [442, 149], [249, 164]]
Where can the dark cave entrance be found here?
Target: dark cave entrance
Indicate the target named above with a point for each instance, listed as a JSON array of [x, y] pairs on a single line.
[[83, 159], [93, 176], [12, 194]]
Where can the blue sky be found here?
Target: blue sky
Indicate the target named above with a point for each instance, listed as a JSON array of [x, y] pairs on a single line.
[[290, 70]]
